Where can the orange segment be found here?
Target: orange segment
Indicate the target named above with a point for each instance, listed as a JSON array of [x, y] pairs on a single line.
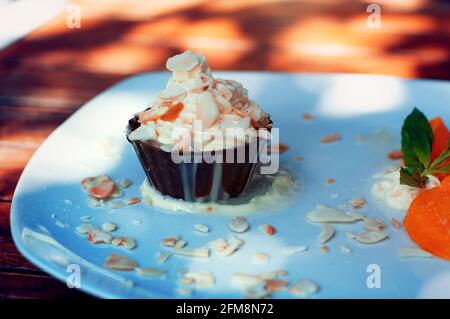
[[428, 220]]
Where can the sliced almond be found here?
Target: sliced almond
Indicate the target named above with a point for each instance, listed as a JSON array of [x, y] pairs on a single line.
[[261, 258], [238, 224], [232, 248], [109, 227], [180, 244], [124, 242], [132, 201], [291, 250], [345, 249], [119, 262], [274, 285], [97, 236], [169, 241], [163, 257], [174, 91], [324, 214], [185, 61], [202, 252], [202, 279], [206, 109], [407, 252], [371, 237], [218, 244], [396, 223], [304, 288], [326, 233], [373, 224], [202, 228], [358, 202], [150, 272], [84, 228]]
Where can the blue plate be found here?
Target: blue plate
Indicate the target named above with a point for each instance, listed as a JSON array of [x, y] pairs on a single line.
[[49, 202]]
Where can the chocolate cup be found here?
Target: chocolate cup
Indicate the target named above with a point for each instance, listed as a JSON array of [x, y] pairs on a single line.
[[197, 180]]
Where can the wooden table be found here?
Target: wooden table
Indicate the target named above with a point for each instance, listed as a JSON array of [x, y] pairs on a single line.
[[53, 71]]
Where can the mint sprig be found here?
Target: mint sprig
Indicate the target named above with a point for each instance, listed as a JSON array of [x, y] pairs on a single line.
[[417, 141]]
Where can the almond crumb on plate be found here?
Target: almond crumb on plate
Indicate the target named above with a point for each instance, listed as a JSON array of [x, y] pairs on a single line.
[[260, 258], [124, 242], [150, 272], [238, 224], [132, 201], [396, 223], [345, 249], [330, 138], [268, 229], [120, 262], [358, 202], [109, 227], [395, 155], [324, 249], [96, 236], [329, 181], [307, 116], [202, 228]]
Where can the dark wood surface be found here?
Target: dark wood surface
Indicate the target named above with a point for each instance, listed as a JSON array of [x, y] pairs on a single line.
[[54, 70]]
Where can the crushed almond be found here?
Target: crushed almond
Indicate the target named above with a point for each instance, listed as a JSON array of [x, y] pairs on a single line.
[[395, 155], [330, 138], [268, 229], [132, 201], [358, 202], [396, 223], [120, 262]]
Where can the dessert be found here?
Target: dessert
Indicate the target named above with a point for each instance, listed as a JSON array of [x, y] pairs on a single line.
[[201, 137], [422, 185]]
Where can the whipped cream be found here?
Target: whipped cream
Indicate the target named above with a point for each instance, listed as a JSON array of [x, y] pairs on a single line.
[[201, 105], [395, 195]]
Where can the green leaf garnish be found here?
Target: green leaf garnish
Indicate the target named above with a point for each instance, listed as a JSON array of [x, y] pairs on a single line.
[[417, 141], [417, 138]]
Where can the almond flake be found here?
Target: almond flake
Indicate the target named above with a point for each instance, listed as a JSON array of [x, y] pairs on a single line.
[[116, 205], [202, 252], [326, 233], [185, 61], [324, 214], [330, 138], [163, 257], [238, 224], [169, 241], [345, 249], [109, 227], [274, 285], [371, 237], [132, 201], [396, 223], [99, 187], [260, 258], [373, 224], [407, 252], [358, 202], [120, 262], [201, 228], [202, 279], [124, 183], [124, 242], [174, 91], [150, 272], [84, 228], [96, 236], [180, 244], [233, 247], [294, 249], [304, 288], [218, 244]]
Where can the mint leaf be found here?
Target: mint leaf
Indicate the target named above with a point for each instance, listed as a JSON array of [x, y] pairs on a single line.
[[417, 138], [412, 176]]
